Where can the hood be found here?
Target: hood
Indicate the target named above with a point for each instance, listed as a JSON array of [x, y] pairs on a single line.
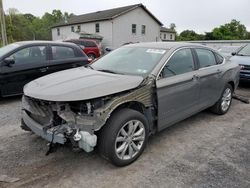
[[79, 84], [242, 60]]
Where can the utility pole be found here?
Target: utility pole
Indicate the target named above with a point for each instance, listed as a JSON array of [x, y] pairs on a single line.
[[3, 26]]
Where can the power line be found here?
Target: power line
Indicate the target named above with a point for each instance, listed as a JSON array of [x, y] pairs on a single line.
[[3, 26]]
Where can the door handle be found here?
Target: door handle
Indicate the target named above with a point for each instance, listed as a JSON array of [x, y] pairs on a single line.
[[219, 71], [196, 77], [44, 69]]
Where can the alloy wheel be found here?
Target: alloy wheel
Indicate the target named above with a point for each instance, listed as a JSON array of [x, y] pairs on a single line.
[[130, 139], [226, 99]]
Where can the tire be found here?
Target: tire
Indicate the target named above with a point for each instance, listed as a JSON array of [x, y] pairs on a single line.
[[92, 56], [223, 104], [119, 144]]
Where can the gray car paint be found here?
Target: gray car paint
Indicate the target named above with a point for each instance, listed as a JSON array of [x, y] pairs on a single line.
[[79, 84], [167, 100], [184, 95], [177, 98]]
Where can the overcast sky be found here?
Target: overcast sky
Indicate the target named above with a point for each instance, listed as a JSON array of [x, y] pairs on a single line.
[[197, 15]]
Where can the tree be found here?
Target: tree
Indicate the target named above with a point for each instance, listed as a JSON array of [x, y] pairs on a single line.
[[29, 27], [172, 26], [230, 31], [188, 35]]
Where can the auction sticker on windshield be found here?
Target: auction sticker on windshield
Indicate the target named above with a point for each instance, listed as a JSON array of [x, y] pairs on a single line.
[[156, 51]]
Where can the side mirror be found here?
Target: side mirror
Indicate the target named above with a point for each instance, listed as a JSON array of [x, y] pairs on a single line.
[[233, 53], [9, 61], [108, 49]]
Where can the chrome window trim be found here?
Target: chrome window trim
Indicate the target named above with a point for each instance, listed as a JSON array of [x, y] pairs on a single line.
[[224, 60]]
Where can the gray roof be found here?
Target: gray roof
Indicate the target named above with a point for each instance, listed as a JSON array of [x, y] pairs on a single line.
[[165, 45], [103, 15], [43, 42], [164, 29]]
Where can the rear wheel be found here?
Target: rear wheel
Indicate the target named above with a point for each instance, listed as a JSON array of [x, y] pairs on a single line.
[[224, 103], [124, 137]]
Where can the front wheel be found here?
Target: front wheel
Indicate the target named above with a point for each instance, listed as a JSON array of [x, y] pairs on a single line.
[[224, 103], [124, 137]]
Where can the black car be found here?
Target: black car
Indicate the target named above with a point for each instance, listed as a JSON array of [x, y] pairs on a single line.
[[22, 62]]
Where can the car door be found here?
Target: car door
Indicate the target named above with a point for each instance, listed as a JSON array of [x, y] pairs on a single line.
[[65, 57], [177, 89], [210, 77], [29, 63]]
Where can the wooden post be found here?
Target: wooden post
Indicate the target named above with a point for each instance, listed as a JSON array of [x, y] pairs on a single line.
[[3, 26]]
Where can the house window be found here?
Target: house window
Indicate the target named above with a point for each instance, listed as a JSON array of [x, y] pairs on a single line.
[[72, 29], [143, 29], [78, 28], [97, 27], [58, 31], [171, 36], [133, 28], [164, 36]]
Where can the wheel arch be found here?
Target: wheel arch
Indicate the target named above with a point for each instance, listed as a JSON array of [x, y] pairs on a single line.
[[232, 84], [137, 106]]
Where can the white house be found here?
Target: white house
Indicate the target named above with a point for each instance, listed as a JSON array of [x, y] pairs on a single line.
[[117, 26], [167, 34]]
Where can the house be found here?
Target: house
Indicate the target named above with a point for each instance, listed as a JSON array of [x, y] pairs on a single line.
[[134, 23], [167, 34]]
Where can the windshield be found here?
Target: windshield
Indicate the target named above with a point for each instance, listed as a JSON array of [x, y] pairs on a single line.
[[245, 51], [8, 48], [130, 60]]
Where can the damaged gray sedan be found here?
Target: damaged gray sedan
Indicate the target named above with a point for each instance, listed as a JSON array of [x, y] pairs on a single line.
[[117, 102]]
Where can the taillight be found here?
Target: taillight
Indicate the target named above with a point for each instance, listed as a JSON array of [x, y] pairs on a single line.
[[90, 60]]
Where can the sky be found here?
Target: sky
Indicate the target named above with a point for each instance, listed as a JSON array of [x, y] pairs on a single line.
[[198, 15]]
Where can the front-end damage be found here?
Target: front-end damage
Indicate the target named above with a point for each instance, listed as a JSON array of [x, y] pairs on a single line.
[[78, 121]]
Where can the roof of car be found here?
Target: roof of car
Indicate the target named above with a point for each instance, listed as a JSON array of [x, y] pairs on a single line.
[[44, 42], [165, 45]]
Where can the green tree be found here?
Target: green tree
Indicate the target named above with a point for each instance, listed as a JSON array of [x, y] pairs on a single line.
[[230, 31], [29, 27], [189, 35]]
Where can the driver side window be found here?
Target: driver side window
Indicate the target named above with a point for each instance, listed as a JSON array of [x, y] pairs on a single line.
[[181, 62], [27, 55]]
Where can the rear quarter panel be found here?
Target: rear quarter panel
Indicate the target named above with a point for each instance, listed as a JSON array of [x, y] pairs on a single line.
[[230, 73]]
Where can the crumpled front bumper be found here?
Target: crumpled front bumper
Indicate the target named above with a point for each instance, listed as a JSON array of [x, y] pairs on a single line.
[[39, 130]]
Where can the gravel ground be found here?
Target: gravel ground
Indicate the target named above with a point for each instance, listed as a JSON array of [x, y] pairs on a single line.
[[205, 150]]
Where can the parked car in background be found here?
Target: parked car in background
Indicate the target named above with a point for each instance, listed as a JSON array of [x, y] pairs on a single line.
[[242, 57], [228, 50], [90, 47], [22, 62], [127, 95]]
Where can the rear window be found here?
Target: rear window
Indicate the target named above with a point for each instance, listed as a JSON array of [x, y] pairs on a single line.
[[219, 58], [83, 43], [206, 58], [89, 44], [62, 52]]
